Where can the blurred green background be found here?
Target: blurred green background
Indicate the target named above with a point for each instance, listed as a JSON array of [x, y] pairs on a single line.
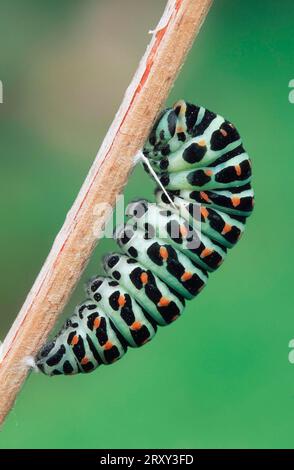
[[219, 377]]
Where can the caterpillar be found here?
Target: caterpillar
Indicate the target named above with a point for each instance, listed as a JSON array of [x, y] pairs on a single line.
[[169, 247]]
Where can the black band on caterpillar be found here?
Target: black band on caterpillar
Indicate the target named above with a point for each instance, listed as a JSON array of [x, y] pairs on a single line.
[[168, 250]]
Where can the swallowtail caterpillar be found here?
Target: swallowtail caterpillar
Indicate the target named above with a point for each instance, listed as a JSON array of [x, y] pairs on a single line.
[[167, 250]]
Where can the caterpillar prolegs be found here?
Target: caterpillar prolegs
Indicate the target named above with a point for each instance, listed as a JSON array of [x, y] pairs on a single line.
[[168, 247]]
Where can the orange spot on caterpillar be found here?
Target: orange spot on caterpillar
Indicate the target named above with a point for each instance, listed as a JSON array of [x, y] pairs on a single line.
[[186, 276], [75, 340], [235, 201], [85, 360], [238, 170], [208, 172], [204, 212], [163, 253], [136, 325], [164, 302], [174, 317], [201, 143], [97, 322], [206, 252], [226, 229], [204, 196], [223, 132], [144, 278], [108, 345], [121, 300], [183, 231]]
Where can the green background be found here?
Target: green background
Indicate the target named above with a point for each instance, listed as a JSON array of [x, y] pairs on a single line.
[[219, 377]]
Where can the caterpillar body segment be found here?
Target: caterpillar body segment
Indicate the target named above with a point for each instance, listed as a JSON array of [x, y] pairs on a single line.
[[126, 314], [87, 340], [216, 225], [162, 304], [181, 234], [236, 201], [232, 173], [169, 264], [168, 250]]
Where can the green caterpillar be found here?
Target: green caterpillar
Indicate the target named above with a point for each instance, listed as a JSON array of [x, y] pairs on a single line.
[[169, 247]]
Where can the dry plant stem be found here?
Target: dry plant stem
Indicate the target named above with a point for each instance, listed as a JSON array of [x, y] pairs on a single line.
[[77, 238]]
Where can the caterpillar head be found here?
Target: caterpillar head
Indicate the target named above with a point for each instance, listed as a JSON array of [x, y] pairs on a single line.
[[169, 132]]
